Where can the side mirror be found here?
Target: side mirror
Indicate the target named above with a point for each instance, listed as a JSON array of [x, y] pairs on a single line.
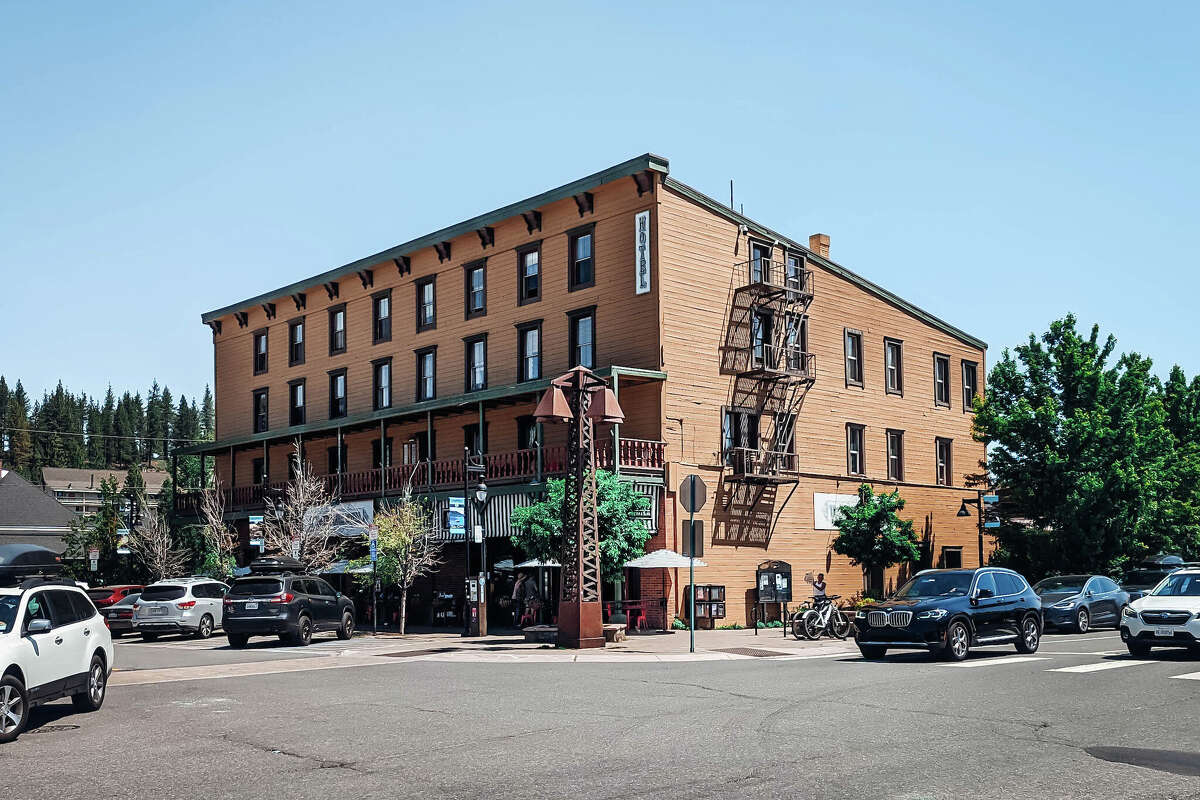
[[38, 626], [983, 594]]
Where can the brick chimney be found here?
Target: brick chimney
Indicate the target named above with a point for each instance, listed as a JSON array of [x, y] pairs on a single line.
[[819, 244]]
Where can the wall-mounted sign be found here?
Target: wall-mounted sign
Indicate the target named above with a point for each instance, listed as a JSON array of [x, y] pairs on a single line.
[[641, 249], [456, 518], [827, 509]]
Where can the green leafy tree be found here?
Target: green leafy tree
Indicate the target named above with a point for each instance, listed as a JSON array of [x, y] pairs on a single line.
[[872, 535], [623, 535], [407, 549], [1091, 475], [98, 530]]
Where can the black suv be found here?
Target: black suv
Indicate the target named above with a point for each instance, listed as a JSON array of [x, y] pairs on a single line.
[[274, 600], [949, 611]]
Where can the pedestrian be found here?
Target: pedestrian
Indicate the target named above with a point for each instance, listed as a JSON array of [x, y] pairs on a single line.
[[518, 599], [533, 599], [819, 589]]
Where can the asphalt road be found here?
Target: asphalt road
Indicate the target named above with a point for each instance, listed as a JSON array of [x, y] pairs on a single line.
[[833, 727]]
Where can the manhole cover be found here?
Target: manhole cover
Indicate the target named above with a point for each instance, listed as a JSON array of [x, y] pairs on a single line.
[[413, 653], [753, 652], [51, 729]]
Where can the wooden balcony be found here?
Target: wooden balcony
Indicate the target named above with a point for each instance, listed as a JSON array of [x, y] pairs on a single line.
[[638, 456], [769, 279], [777, 362], [752, 465]]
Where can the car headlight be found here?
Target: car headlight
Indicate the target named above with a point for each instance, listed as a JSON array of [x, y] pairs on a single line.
[[1064, 603], [933, 613], [1129, 611], [860, 615]]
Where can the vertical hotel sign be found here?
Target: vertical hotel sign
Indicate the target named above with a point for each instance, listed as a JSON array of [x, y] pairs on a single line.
[[641, 247]]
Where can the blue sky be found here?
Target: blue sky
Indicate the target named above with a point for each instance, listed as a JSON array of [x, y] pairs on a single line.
[[997, 165]]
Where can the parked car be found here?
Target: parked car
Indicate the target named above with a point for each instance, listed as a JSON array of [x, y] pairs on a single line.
[[52, 644], [275, 601], [119, 616], [1081, 602], [104, 596], [179, 605], [949, 611], [1168, 616], [1140, 580]]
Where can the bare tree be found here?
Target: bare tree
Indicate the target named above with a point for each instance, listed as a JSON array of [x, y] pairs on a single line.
[[303, 521], [150, 543], [408, 547], [220, 538]]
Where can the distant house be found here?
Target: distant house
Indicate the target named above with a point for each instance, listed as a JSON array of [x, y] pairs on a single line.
[[30, 516], [79, 489]]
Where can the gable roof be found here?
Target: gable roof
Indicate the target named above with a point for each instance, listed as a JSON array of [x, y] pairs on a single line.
[[25, 507], [64, 478]]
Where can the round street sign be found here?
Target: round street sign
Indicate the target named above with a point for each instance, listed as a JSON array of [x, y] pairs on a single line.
[[692, 493]]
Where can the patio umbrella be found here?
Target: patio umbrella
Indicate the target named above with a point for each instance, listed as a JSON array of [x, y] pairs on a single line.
[[533, 562], [662, 559], [505, 565]]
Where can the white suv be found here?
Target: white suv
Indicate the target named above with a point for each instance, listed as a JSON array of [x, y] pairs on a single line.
[[53, 643], [1167, 616], [179, 605]]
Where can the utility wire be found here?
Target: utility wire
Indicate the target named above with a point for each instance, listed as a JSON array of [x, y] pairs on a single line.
[[102, 435]]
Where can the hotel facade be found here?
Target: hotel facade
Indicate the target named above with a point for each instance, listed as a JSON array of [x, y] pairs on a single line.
[[751, 359]]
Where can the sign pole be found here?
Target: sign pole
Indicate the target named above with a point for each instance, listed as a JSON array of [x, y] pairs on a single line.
[[692, 565]]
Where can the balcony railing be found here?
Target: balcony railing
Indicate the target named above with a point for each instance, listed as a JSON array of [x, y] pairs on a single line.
[[637, 455], [769, 466], [778, 361], [764, 275]]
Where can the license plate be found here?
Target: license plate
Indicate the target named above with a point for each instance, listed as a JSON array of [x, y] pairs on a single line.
[[1165, 633], [112, 616], [158, 611], [251, 606]]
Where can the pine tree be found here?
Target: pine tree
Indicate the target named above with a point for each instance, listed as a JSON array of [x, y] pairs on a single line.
[[4, 395], [20, 442], [95, 439], [166, 424], [108, 424], [208, 416], [153, 433]]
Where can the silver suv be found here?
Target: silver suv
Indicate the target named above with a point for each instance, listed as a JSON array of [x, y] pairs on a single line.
[[179, 605]]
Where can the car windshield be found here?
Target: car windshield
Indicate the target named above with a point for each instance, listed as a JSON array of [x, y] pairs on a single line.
[[253, 586], [936, 584], [1062, 583], [162, 593], [8, 611], [1142, 577], [128, 600], [1187, 585]]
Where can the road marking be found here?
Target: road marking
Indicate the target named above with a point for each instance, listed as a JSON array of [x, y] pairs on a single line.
[[1102, 665], [1191, 676], [994, 662], [1081, 652]]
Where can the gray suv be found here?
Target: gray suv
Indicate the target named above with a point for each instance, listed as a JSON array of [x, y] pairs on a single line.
[[179, 605]]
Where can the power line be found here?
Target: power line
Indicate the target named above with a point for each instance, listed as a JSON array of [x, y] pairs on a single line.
[[104, 435]]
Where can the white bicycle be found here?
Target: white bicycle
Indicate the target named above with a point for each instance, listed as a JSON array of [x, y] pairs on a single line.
[[823, 618]]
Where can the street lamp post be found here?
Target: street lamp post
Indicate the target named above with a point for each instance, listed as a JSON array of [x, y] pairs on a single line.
[[977, 501], [580, 398], [475, 616]]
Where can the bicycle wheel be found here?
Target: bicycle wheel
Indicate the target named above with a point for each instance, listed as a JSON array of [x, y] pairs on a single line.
[[839, 625], [797, 624], [814, 626]]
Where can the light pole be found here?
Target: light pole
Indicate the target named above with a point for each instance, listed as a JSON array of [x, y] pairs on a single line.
[[473, 622], [977, 501]]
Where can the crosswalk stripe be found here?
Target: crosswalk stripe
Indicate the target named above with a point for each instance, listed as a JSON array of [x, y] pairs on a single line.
[[994, 662], [1102, 665], [1191, 676]]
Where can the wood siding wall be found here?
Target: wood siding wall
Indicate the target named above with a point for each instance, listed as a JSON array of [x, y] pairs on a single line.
[[699, 252]]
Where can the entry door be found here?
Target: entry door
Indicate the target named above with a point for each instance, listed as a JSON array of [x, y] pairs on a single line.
[[49, 660], [760, 263], [761, 338]]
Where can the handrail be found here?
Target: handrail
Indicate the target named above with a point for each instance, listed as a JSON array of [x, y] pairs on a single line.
[[774, 274]]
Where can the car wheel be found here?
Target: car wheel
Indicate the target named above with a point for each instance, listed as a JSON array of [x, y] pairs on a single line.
[[303, 634], [1137, 648], [14, 708], [958, 641], [97, 682], [237, 640], [347, 628], [1083, 621], [205, 628], [1030, 636], [149, 637], [872, 651]]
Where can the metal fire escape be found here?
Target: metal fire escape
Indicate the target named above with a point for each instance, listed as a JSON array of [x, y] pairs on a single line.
[[767, 354]]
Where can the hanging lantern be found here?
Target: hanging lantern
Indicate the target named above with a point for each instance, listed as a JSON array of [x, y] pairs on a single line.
[[605, 407], [553, 406]]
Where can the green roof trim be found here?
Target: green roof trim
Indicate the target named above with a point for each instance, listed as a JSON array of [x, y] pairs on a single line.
[[837, 269], [648, 161], [463, 400]]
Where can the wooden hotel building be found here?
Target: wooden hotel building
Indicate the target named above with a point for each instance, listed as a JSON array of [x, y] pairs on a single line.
[[751, 359]]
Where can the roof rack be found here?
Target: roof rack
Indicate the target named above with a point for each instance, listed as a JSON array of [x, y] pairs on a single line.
[[30, 583]]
